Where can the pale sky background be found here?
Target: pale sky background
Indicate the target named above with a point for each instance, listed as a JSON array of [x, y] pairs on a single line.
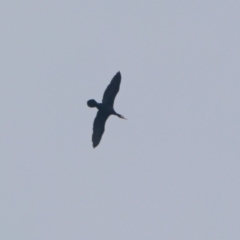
[[171, 171]]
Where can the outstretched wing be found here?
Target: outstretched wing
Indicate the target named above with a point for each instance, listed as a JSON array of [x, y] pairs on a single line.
[[112, 90], [98, 127]]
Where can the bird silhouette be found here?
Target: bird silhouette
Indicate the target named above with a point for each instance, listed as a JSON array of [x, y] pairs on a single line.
[[105, 109]]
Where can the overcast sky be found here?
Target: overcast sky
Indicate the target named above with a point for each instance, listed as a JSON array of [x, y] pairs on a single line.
[[171, 171]]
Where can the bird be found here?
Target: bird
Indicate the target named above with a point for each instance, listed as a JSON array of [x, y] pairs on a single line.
[[105, 109]]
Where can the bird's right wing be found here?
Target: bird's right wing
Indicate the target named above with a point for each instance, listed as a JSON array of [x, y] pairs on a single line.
[[98, 127], [112, 90]]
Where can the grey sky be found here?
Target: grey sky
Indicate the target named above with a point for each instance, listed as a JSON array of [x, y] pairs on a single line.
[[171, 171]]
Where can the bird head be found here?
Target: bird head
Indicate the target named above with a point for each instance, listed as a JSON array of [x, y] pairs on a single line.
[[91, 103]]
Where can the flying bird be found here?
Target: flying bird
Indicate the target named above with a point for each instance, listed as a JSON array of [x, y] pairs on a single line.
[[105, 109]]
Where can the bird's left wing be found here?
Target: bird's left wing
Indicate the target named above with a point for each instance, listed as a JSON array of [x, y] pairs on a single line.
[[98, 127], [112, 90]]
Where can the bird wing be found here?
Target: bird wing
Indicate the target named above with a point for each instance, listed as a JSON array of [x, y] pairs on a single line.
[[112, 90], [98, 127]]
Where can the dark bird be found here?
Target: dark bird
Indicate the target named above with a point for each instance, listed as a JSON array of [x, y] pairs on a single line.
[[105, 109]]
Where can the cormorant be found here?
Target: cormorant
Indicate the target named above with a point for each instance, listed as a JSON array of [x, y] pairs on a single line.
[[105, 109]]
